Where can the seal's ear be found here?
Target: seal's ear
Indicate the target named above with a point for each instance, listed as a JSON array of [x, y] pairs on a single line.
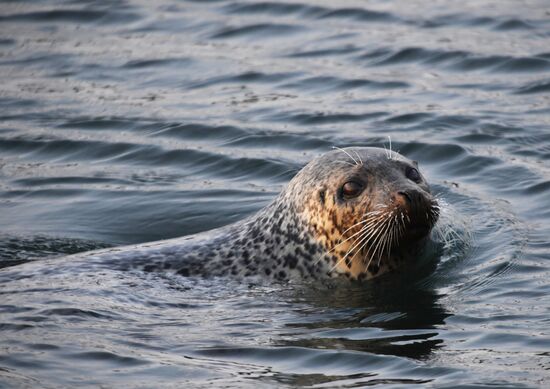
[[415, 163], [322, 194]]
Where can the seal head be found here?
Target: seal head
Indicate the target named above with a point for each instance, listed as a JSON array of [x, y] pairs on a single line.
[[369, 209]]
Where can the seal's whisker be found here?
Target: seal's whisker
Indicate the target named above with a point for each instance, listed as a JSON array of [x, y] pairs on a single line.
[[376, 236], [345, 152], [354, 246], [370, 222], [389, 151], [402, 224], [382, 241], [365, 234], [356, 224], [349, 163], [363, 246], [358, 156], [391, 234], [378, 241], [362, 230]]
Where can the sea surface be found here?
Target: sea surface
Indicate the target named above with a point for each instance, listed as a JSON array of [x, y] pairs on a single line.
[[131, 121]]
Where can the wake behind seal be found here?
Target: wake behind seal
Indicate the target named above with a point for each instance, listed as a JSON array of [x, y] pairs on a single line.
[[355, 213]]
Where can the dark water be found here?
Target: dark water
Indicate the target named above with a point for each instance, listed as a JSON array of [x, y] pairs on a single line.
[[124, 122]]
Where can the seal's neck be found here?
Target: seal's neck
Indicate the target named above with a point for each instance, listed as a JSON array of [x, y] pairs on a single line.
[[274, 243]]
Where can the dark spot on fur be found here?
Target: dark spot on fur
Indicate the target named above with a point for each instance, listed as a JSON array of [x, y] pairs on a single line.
[[374, 269], [290, 261], [348, 262]]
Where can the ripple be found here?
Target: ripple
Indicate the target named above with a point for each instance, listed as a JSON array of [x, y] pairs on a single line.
[[8, 327], [513, 24], [328, 84], [454, 60], [73, 16], [147, 63], [257, 31], [408, 118], [310, 11], [324, 52], [76, 313], [502, 63], [319, 118], [7, 42], [194, 131], [467, 20], [302, 360], [437, 153], [282, 141], [67, 150], [413, 54], [358, 14], [107, 357], [273, 8], [98, 123], [244, 78], [457, 19], [21, 248], [527, 64], [539, 188], [539, 86]]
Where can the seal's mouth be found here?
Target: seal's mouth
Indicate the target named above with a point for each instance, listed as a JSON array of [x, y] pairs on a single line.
[[386, 231], [416, 232]]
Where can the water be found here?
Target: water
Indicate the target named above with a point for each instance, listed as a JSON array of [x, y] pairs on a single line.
[[127, 122]]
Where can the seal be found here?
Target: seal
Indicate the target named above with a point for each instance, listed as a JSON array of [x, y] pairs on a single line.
[[355, 213]]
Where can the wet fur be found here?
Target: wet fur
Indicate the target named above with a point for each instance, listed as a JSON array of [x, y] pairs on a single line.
[[308, 232]]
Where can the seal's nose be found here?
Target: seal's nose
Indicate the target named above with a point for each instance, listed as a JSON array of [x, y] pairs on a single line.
[[413, 201], [404, 197]]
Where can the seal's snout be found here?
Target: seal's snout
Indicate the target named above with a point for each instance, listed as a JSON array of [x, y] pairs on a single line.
[[421, 211], [403, 198], [410, 200]]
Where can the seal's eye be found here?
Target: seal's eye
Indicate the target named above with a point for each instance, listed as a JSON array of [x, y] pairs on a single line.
[[351, 189], [413, 174]]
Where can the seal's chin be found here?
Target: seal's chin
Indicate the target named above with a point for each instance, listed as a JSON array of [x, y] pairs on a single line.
[[418, 232], [421, 221]]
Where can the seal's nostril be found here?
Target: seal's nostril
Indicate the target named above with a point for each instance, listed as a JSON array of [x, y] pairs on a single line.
[[405, 195]]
